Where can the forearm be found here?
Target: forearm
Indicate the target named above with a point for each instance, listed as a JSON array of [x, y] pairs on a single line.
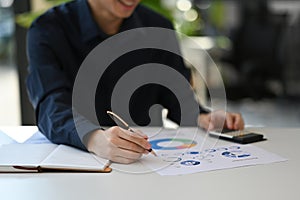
[[55, 120]]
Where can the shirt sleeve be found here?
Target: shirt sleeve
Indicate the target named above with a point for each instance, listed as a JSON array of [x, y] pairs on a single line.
[[50, 92]]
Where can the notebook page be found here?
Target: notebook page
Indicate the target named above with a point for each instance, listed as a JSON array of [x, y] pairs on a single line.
[[66, 157]]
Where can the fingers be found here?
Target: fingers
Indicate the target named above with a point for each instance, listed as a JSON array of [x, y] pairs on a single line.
[[133, 138], [125, 156], [204, 121], [125, 144], [234, 121], [221, 119], [238, 122], [139, 132], [214, 120], [117, 145], [229, 119]]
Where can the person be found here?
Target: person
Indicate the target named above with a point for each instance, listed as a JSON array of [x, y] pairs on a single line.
[[61, 39]]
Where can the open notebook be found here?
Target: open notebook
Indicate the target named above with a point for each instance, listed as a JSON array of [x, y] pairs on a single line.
[[49, 157]]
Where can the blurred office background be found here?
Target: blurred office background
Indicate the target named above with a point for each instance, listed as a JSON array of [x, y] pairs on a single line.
[[255, 45]]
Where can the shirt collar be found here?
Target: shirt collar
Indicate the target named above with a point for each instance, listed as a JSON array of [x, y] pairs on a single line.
[[89, 28]]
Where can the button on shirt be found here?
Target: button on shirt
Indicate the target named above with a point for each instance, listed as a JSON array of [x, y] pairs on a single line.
[[58, 43]]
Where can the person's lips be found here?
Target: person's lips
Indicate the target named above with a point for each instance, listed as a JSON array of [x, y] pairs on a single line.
[[127, 3]]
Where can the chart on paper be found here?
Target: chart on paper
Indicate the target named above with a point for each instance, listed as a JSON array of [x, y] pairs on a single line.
[[186, 152]]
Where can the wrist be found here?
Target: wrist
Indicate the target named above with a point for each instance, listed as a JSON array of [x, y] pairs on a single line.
[[90, 139]]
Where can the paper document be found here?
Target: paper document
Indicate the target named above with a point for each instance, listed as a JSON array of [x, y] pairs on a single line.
[[5, 139], [37, 138], [19, 133], [185, 153]]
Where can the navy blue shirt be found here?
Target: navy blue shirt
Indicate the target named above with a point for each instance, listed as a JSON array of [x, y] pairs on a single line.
[[59, 41]]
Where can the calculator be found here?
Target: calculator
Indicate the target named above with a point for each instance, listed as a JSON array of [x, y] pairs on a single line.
[[238, 136]]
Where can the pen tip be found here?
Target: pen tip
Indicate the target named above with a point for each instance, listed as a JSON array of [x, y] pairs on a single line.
[[153, 153]]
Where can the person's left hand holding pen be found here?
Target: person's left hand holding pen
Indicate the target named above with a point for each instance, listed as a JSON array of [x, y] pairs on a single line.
[[118, 145]]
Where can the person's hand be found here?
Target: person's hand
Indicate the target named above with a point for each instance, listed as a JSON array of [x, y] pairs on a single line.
[[218, 120], [118, 145]]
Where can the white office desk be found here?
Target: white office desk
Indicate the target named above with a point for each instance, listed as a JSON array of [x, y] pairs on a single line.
[[271, 181]]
